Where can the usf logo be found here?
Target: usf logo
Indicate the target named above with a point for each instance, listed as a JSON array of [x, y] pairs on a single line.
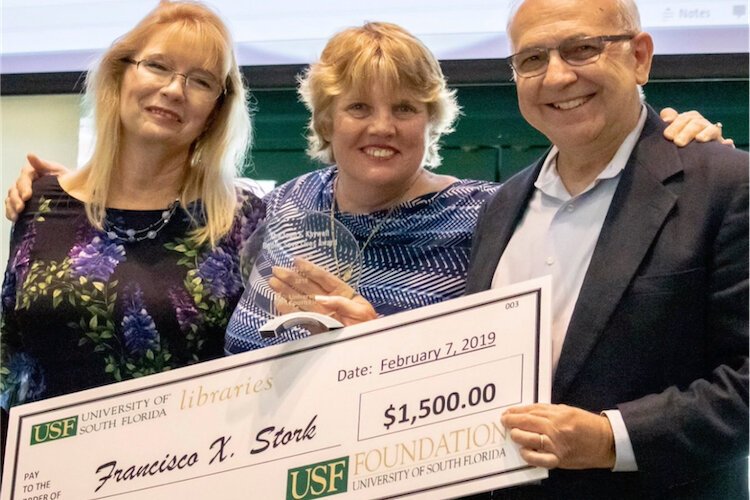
[[56, 429], [318, 480]]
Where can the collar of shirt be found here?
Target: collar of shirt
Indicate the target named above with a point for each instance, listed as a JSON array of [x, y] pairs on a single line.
[[550, 183]]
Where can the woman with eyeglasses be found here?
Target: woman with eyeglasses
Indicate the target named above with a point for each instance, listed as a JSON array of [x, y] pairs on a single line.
[[129, 266]]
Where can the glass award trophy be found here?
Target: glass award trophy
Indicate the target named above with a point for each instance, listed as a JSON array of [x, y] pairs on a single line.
[[314, 236]]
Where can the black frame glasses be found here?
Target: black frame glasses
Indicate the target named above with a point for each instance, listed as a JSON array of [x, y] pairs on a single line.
[[574, 51], [201, 84]]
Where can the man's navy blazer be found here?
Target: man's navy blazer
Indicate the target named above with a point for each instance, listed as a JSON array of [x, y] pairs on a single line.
[[660, 329]]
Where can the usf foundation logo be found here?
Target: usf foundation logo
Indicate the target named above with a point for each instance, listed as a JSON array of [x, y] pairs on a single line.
[[318, 480], [56, 429]]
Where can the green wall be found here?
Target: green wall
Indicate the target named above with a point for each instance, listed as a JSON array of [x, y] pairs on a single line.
[[492, 141]]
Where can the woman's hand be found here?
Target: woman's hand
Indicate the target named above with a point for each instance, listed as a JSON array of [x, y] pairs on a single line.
[[309, 287], [20, 192], [691, 126]]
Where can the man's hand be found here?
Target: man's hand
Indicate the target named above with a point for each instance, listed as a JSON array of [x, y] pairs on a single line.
[[553, 436], [688, 126], [20, 192], [308, 287]]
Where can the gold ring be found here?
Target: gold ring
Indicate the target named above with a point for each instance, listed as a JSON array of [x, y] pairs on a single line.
[[541, 442]]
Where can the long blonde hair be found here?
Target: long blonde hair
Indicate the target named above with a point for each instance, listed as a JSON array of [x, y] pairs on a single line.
[[376, 53], [216, 156]]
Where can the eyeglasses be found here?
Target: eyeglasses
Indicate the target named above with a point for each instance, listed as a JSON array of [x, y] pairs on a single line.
[[198, 84], [574, 51]]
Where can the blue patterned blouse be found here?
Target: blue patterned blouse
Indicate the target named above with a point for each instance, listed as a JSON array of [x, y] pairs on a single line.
[[418, 256], [81, 310]]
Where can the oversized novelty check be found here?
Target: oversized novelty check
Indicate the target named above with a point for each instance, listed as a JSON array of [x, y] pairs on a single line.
[[406, 406]]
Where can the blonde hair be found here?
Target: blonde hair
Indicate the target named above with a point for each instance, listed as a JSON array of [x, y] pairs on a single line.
[[376, 53], [215, 157]]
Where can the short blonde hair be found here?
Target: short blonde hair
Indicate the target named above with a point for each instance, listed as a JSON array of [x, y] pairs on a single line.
[[216, 156], [376, 52]]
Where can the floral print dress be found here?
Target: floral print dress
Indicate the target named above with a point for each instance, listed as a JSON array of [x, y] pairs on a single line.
[[81, 309]]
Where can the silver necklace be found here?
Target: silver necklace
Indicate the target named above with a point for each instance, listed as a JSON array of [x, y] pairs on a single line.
[[115, 232], [347, 273]]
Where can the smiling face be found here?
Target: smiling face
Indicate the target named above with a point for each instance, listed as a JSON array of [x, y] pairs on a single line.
[[163, 112], [378, 137], [578, 107]]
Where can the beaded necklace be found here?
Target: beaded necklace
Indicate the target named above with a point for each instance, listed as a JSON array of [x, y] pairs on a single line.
[[115, 232]]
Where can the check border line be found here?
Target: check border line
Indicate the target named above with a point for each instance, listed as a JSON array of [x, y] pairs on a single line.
[[454, 483]]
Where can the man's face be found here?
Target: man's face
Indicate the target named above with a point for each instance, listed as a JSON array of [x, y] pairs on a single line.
[[594, 105]]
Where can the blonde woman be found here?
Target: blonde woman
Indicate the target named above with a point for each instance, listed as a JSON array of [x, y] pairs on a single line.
[[129, 266]]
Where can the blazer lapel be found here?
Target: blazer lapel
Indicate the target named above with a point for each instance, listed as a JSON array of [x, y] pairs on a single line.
[[499, 221], [638, 210]]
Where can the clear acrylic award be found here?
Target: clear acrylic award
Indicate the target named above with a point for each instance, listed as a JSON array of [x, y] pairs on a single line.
[[315, 236]]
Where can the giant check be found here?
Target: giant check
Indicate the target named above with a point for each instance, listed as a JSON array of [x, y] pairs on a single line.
[[406, 406]]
